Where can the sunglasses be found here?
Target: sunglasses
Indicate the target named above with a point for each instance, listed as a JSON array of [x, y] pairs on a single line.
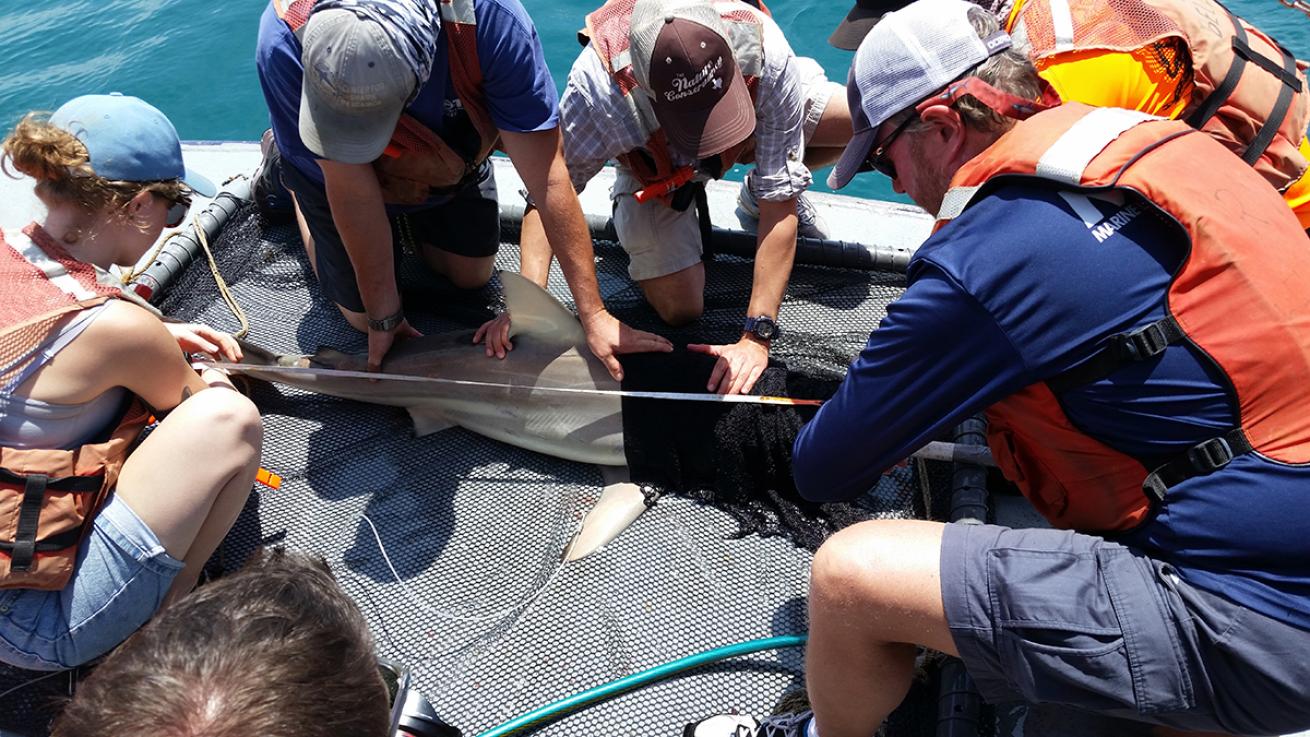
[[877, 159]]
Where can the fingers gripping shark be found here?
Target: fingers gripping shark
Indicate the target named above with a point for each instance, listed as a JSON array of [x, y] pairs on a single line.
[[550, 351]]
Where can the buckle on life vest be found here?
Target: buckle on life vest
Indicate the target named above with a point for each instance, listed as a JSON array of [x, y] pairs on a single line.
[[1199, 460], [1147, 342]]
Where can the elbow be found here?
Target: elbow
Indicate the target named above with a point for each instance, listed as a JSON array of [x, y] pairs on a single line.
[[815, 472]]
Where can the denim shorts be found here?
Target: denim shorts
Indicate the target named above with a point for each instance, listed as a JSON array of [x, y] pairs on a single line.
[[121, 577], [1053, 616]]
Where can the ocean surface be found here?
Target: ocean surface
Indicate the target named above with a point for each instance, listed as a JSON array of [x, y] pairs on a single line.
[[194, 59]]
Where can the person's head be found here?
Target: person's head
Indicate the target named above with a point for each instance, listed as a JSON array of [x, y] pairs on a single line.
[[274, 649], [933, 85], [866, 13], [357, 82], [682, 58], [109, 159]]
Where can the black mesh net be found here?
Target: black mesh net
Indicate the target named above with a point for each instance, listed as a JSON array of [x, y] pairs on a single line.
[[451, 543]]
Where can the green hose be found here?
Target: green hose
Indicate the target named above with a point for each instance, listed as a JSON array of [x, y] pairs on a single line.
[[613, 688]]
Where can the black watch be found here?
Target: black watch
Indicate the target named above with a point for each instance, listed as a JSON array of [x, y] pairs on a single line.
[[763, 327]]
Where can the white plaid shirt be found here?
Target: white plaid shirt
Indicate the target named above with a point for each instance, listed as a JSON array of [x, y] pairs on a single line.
[[598, 125]]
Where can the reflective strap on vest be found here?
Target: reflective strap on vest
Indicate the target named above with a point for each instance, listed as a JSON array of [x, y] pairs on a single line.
[[955, 200], [53, 270], [1243, 53], [1067, 158], [1062, 22], [1119, 351], [458, 11], [1199, 460]]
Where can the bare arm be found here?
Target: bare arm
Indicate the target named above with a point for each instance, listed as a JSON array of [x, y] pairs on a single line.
[[358, 212], [539, 159], [740, 364]]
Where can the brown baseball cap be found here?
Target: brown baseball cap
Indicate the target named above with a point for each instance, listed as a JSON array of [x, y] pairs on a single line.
[[681, 56]]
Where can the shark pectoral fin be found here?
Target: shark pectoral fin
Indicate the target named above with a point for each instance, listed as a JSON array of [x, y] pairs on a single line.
[[428, 421], [620, 504], [533, 311]]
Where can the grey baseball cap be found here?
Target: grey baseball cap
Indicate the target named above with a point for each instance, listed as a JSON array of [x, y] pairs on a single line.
[[910, 54], [355, 88]]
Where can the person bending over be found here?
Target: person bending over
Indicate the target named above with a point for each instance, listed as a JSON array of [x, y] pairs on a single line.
[[678, 91], [1126, 300], [385, 114], [102, 528]]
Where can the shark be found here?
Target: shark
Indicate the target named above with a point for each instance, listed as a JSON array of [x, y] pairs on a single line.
[[515, 400]]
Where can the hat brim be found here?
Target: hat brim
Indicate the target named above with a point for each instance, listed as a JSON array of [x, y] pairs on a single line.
[[351, 138], [854, 27], [727, 123], [198, 183], [852, 158]]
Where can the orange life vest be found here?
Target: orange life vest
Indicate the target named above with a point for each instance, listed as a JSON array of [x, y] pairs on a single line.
[[48, 497], [417, 163], [1238, 265], [607, 31], [1246, 90]]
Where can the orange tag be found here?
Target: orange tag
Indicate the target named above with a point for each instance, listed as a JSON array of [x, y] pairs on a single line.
[[268, 478]]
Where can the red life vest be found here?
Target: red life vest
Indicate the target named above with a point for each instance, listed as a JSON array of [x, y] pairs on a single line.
[[417, 163], [1247, 91], [607, 31], [1238, 265], [48, 497]]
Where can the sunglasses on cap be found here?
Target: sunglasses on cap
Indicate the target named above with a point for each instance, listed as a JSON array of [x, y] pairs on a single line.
[[877, 159]]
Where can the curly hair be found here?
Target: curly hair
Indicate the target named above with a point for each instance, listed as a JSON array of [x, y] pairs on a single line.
[[61, 166]]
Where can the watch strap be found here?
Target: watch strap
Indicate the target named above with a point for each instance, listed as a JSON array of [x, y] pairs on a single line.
[[388, 323]]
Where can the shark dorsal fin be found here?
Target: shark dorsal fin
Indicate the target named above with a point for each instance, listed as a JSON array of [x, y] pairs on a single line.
[[533, 311]]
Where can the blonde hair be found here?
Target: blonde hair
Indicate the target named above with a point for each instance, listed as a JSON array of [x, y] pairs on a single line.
[[61, 166]]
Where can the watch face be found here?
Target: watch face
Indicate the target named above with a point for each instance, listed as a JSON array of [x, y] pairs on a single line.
[[765, 329]]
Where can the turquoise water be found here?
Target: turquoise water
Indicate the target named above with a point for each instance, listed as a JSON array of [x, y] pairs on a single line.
[[194, 58]]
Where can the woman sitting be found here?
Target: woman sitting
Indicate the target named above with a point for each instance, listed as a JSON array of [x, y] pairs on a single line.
[[99, 528]]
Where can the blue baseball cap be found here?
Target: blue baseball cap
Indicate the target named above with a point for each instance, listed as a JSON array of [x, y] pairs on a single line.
[[128, 140]]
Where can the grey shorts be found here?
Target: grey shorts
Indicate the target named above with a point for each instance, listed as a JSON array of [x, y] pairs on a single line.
[[1052, 616], [660, 240]]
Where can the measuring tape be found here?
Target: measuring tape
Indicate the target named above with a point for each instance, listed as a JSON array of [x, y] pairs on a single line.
[[373, 376]]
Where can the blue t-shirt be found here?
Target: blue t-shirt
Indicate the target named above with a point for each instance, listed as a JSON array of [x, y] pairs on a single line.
[[520, 93], [1024, 285]]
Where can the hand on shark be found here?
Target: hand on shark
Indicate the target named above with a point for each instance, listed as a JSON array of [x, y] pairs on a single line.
[[606, 337], [197, 338], [739, 366], [380, 342]]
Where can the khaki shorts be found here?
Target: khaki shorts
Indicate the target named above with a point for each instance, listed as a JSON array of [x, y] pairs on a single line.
[[662, 241]]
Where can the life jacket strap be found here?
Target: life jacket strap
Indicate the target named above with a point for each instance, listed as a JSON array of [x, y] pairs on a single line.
[[24, 547], [1285, 72], [1120, 350], [1199, 460]]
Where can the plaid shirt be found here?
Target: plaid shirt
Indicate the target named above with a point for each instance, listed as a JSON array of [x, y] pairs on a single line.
[[598, 125]]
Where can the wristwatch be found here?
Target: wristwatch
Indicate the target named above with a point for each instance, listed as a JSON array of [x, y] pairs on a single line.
[[763, 327], [388, 323]]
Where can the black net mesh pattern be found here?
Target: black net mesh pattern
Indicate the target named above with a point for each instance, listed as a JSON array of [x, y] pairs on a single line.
[[474, 596]]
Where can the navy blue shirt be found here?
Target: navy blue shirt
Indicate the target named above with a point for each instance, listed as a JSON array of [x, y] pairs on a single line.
[[520, 93], [1025, 284]]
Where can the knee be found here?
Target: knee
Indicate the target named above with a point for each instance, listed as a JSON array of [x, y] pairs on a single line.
[[471, 278], [679, 312], [229, 418], [852, 566]]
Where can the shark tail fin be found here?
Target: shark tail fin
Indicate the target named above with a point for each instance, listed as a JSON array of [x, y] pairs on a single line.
[[534, 311]]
